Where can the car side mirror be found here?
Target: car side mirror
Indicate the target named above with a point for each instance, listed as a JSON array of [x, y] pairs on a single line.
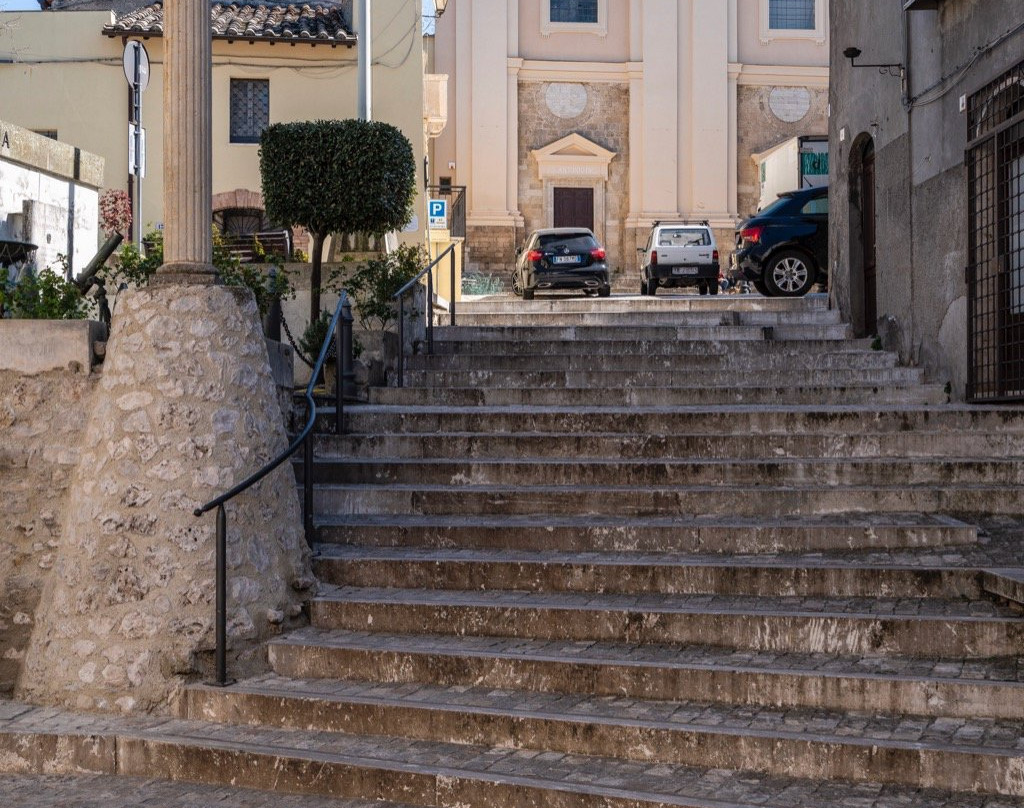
[[519, 250]]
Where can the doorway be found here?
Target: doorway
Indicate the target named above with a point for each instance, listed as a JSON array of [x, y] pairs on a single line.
[[867, 229], [574, 207]]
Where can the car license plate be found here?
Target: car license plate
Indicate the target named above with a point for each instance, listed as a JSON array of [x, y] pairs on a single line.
[[684, 270], [565, 259]]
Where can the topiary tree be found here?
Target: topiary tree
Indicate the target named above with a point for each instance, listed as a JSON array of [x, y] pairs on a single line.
[[336, 176]]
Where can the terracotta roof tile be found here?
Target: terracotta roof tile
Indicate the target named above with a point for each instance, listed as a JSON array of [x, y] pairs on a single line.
[[323, 22]]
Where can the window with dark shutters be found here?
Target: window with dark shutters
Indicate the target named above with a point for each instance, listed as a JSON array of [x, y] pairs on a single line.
[[250, 109]]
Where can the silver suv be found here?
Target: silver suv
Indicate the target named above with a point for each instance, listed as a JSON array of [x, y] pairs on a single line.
[[678, 254]]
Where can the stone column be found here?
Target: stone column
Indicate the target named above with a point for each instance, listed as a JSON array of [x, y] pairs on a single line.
[[188, 151]]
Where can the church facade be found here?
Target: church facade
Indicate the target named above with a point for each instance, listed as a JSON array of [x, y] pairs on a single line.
[[615, 113]]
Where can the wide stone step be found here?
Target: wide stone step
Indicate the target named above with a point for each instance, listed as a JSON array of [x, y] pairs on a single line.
[[668, 345], [748, 421], [955, 754], [432, 774], [738, 379], [593, 534], [882, 396], [668, 472], [639, 574], [665, 301], [640, 331], [941, 686], [626, 318], [768, 501], [920, 627], [779, 360], [708, 444]]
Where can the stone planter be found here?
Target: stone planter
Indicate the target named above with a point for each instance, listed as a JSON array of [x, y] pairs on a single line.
[[378, 360]]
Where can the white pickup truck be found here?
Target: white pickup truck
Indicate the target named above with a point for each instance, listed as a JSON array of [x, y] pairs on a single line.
[[679, 254]]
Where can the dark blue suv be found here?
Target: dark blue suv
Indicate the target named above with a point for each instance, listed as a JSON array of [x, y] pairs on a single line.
[[783, 250]]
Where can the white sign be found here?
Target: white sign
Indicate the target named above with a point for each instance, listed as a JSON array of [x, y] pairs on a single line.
[[131, 151], [131, 49], [437, 214]]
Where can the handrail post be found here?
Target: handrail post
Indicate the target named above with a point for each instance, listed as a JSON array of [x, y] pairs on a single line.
[[339, 381], [221, 616], [401, 341], [307, 489], [348, 373], [452, 287], [430, 312], [272, 322]]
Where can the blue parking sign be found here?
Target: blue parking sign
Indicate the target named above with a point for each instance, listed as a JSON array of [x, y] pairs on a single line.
[[437, 214]]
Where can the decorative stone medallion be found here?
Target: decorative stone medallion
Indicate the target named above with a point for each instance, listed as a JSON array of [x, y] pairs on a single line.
[[566, 100], [790, 104]]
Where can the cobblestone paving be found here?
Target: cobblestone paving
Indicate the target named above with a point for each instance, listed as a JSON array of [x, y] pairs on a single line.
[[100, 791], [643, 782], [1009, 669], [941, 732]]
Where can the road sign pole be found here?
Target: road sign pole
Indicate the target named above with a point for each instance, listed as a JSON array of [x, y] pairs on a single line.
[[137, 114]]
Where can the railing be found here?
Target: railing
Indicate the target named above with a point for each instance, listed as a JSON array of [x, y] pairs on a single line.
[[400, 297], [343, 377], [456, 196]]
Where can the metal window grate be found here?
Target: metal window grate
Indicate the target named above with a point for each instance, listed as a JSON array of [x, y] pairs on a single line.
[[574, 11], [791, 14], [995, 271], [250, 109]]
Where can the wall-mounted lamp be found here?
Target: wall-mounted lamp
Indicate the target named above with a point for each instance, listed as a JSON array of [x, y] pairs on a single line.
[[439, 7], [895, 70]]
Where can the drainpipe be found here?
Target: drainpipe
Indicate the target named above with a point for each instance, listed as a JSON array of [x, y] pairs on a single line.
[[365, 58]]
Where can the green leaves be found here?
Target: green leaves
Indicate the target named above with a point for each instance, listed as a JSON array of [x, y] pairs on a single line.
[[42, 295]]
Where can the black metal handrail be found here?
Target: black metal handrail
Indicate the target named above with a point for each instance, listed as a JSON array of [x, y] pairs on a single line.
[[343, 378], [400, 297]]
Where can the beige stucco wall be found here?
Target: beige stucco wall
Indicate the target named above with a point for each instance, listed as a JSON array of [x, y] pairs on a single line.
[[68, 76], [687, 71]]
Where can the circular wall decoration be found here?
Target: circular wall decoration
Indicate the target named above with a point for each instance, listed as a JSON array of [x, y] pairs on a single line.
[[566, 100], [790, 104]]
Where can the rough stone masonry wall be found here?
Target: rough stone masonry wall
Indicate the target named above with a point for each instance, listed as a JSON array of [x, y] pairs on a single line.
[[185, 409], [603, 119], [42, 418], [759, 127]]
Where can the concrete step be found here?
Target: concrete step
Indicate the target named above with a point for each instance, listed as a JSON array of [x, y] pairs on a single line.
[[627, 344], [767, 501], [707, 396], [961, 754], [431, 774], [665, 301], [708, 444], [794, 360], [916, 627], [561, 471], [637, 573], [740, 379], [746, 420], [628, 318], [512, 334], [992, 688], [581, 534]]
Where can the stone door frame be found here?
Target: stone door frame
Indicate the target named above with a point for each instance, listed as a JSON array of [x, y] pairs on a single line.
[[575, 162]]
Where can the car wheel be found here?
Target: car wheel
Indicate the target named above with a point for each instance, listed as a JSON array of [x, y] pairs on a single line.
[[527, 294], [713, 288], [604, 291], [789, 274], [702, 288], [761, 288], [517, 286]]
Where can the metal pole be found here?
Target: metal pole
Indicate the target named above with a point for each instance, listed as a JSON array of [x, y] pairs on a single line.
[[137, 115], [338, 400], [222, 597], [401, 341], [348, 373], [307, 489], [430, 311], [365, 59], [452, 286], [272, 322]]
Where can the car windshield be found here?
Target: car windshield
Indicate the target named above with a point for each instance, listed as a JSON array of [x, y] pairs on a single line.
[[684, 237], [580, 242]]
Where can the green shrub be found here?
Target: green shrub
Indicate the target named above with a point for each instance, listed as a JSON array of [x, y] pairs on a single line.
[[375, 283], [42, 295]]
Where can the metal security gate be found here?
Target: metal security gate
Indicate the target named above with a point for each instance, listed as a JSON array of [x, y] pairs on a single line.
[[995, 272]]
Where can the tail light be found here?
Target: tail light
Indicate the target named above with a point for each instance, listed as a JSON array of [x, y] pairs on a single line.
[[534, 255], [714, 255], [752, 234], [654, 258], [598, 254]]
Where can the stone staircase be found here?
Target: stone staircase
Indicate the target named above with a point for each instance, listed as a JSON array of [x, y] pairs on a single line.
[[674, 551]]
